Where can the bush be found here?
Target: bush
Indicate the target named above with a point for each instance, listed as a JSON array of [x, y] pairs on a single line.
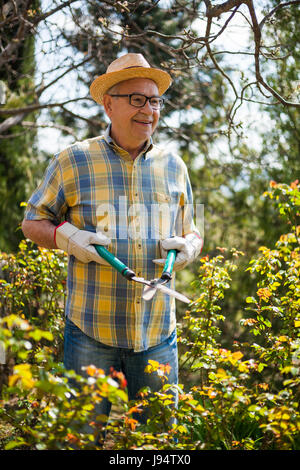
[[246, 397], [39, 401], [33, 288]]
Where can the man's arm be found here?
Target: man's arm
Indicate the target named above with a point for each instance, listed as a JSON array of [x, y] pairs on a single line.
[[66, 237], [40, 232]]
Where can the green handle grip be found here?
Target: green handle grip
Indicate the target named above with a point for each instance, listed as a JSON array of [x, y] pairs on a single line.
[[168, 268], [114, 262]]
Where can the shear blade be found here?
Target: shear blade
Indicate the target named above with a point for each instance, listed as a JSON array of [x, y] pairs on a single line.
[[173, 293], [150, 285], [149, 292]]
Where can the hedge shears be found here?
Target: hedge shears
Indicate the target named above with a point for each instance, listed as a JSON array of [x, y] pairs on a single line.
[[149, 291], [150, 286]]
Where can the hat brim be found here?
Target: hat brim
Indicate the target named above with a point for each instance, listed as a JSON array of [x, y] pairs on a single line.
[[103, 83]]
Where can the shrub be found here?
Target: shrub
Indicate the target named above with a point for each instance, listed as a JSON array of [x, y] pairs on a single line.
[[245, 397], [39, 402], [33, 288]]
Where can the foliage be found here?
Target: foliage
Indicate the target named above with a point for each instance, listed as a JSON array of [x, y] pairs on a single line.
[[280, 142], [18, 153], [33, 288], [242, 397], [246, 397], [46, 405]]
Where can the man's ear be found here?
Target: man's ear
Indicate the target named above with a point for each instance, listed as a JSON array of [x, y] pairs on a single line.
[[107, 101]]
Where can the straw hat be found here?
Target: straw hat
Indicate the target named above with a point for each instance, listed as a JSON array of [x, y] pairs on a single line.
[[124, 68]]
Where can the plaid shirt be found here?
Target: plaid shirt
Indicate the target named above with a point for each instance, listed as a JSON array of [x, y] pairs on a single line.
[[96, 186]]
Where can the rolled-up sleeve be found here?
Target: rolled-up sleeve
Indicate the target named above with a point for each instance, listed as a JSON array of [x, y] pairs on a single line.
[[48, 200]]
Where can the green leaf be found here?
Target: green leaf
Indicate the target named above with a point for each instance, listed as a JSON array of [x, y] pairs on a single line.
[[12, 444], [38, 334], [261, 367]]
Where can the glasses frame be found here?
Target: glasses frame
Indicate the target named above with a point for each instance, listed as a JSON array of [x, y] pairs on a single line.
[[147, 98]]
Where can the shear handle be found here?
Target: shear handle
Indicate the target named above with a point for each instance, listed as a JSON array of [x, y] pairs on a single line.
[[168, 267], [115, 262]]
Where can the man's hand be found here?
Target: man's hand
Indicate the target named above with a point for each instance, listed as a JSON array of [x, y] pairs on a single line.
[[189, 247], [79, 243]]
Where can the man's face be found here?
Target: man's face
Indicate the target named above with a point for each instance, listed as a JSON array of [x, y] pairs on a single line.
[[131, 127]]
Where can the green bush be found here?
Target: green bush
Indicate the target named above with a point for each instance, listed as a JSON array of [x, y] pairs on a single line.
[[33, 288], [246, 397], [39, 402]]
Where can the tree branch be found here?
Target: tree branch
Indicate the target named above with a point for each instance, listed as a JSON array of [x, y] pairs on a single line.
[[36, 107], [40, 90], [12, 121], [223, 8], [25, 27], [257, 41], [271, 13], [50, 125]]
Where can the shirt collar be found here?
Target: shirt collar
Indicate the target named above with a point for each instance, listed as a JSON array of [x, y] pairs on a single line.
[[107, 137]]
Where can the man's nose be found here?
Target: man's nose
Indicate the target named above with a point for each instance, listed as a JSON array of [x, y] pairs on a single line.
[[147, 108]]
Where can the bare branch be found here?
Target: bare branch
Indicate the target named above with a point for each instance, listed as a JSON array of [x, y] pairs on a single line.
[[257, 40], [211, 55], [93, 122], [225, 24], [40, 90], [223, 8], [183, 47], [25, 27], [275, 9], [12, 121], [50, 125], [37, 107]]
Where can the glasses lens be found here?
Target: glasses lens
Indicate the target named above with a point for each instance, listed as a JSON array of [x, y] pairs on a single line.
[[156, 103], [138, 100]]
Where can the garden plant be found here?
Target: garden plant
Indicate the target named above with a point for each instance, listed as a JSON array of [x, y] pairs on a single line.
[[241, 397]]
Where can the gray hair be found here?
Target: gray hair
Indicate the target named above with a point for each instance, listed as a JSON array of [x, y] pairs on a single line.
[[113, 90]]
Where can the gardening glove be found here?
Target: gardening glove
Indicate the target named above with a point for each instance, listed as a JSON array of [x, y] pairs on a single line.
[[79, 243], [188, 247]]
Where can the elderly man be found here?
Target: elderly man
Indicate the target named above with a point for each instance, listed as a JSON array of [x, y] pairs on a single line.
[[113, 190]]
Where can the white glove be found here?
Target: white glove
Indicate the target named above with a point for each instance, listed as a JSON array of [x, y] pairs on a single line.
[[189, 247], [79, 243]]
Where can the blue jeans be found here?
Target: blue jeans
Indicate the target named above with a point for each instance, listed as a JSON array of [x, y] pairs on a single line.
[[81, 350]]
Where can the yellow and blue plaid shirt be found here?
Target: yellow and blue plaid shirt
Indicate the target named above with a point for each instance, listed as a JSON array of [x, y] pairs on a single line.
[[96, 186]]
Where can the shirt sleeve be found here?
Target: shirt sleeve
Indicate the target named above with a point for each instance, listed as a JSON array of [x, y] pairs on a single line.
[[48, 200]]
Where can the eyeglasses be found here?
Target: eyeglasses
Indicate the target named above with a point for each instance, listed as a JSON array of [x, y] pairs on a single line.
[[137, 100]]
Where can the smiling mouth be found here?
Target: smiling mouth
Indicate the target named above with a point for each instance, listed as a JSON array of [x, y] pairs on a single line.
[[143, 122]]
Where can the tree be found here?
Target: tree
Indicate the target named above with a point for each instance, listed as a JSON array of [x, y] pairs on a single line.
[[204, 112], [167, 34], [17, 152], [284, 139]]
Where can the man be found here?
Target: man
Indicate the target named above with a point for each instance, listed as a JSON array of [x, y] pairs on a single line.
[[114, 190]]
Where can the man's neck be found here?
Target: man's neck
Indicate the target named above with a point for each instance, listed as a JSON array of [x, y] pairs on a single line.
[[134, 152]]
